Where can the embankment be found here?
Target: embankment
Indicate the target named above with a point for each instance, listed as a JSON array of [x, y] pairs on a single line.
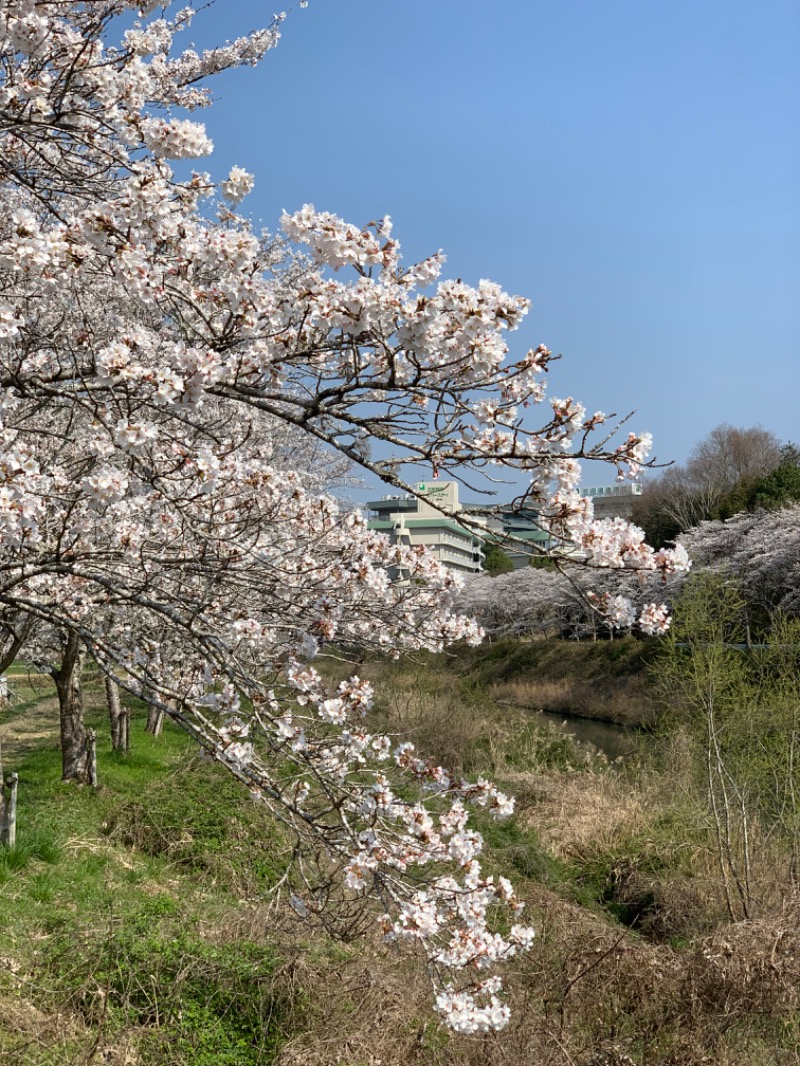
[[611, 680]]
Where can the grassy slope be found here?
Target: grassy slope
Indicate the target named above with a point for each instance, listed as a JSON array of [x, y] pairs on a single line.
[[607, 680], [135, 929], [109, 902]]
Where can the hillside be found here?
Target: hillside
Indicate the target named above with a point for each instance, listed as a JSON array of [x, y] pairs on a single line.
[[608, 679]]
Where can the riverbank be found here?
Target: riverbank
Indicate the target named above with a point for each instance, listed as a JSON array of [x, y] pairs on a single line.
[[609, 680], [143, 923]]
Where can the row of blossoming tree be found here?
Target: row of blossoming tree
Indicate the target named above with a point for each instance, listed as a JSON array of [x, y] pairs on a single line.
[[168, 379], [758, 551]]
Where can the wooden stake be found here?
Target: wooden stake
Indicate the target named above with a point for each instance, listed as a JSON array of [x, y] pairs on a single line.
[[10, 813]]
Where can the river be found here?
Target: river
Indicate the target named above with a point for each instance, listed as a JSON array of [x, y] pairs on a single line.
[[615, 741]]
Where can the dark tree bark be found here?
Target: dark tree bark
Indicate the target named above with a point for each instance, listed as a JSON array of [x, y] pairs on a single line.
[[16, 630], [3, 803], [74, 748], [8, 810], [8, 807], [91, 757]]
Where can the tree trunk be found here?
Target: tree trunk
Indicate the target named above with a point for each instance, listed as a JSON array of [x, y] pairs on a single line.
[[74, 752], [155, 719], [91, 757], [118, 715], [13, 639], [2, 798], [8, 807]]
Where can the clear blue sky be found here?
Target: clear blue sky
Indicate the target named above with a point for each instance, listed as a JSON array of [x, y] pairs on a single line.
[[631, 167]]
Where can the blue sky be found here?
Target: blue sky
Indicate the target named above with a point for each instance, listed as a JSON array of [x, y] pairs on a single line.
[[631, 167]]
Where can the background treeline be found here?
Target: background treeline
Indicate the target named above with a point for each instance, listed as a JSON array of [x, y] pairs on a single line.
[[732, 470], [735, 507]]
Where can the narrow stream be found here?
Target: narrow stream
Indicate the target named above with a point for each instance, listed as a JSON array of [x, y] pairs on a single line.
[[615, 741]]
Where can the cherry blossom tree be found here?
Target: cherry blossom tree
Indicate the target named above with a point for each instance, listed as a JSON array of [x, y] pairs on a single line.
[[713, 483], [760, 550], [166, 375], [547, 603], [60, 653]]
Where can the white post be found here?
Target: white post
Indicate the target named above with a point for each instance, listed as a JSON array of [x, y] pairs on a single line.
[[10, 813], [91, 757]]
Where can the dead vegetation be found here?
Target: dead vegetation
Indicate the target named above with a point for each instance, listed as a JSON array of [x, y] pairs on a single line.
[[591, 994], [626, 701], [607, 680]]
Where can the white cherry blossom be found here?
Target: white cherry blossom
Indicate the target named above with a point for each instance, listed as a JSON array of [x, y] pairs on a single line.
[[175, 391]]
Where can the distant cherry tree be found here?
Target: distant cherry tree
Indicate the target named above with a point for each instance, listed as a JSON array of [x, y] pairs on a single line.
[[761, 551], [549, 604]]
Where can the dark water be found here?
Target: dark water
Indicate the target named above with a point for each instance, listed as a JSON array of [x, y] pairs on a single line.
[[615, 741]]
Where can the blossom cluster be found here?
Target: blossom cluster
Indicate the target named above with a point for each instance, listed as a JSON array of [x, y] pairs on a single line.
[[451, 917]]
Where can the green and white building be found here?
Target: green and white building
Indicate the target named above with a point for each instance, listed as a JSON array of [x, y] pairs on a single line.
[[427, 520], [430, 520]]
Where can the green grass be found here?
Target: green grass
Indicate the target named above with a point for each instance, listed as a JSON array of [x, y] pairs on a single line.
[[519, 851], [108, 897], [506, 660], [150, 969], [132, 926]]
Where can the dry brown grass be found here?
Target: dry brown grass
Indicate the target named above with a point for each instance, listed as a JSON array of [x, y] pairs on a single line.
[[28, 729], [34, 724], [626, 700], [590, 994], [31, 1035], [749, 967], [434, 715], [572, 812]]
